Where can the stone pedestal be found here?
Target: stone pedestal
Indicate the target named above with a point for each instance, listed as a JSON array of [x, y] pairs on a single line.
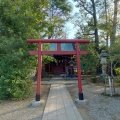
[[35, 103], [81, 102]]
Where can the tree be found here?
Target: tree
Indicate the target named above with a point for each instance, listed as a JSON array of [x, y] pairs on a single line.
[[58, 15], [88, 9], [105, 24], [23, 18], [109, 23], [90, 62], [114, 25], [114, 56], [19, 20]]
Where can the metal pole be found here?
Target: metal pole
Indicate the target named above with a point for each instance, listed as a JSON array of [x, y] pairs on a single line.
[[38, 90], [80, 94]]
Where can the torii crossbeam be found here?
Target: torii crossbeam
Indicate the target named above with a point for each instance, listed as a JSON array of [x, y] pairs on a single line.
[[76, 52]]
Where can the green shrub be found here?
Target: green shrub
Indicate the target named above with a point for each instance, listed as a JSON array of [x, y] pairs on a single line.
[[117, 71], [15, 89], [15, 68], [117, 79], [90, 62]]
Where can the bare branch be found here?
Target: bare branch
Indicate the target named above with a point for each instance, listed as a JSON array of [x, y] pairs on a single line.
[[115, 65]]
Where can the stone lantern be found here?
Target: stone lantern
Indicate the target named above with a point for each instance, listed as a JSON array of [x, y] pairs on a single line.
[[103, 62]]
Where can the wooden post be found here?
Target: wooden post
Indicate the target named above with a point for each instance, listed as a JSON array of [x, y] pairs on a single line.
[[38, 90], [80, 94]]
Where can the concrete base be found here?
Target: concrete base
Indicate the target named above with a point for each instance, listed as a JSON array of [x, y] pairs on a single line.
[[35, 103], [81, 102]]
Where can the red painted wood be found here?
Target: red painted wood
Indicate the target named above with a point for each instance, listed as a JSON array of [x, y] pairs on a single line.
[[58, 47], [58, 40], [78, 68], [38, 90], [35, 52], [57, 52]]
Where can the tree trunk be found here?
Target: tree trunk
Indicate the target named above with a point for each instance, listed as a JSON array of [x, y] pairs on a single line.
[[95, 25], [107, 36], [112, 41], [107, 40]]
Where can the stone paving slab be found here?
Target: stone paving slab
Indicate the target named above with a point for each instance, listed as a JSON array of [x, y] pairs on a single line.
[[59, 105]]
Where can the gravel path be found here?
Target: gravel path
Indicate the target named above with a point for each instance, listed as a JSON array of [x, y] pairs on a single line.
[[98, 107], [22, 110]]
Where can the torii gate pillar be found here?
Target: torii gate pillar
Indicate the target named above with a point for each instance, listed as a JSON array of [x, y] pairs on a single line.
[[80, 94], [38, 90]]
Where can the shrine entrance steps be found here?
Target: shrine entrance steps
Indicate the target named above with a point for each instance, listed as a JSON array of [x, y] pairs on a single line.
[[57, 78], [60, 105], [62, 78]]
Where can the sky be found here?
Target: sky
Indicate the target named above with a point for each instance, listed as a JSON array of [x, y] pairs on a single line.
[[69, 27]]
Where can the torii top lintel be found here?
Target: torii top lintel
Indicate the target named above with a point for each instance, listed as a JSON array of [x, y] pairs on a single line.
[[58, 40]]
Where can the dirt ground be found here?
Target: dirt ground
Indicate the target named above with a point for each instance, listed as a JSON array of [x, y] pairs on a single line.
[[98, 107], [22, 110], [72, 88]]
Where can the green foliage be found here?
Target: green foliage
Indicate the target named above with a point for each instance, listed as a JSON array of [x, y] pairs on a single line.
[[23, 18], [15, 89], [46, 59], [117, 78], [89, 62], [62, 6], [114, 56], [59, 14], [114, 51], [117, 71], [20, 20], [15, 69]]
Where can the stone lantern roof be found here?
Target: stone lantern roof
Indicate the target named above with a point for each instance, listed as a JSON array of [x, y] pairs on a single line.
[[103, 54]]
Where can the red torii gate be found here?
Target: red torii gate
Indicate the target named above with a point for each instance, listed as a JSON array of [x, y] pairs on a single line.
[[39, 52]]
